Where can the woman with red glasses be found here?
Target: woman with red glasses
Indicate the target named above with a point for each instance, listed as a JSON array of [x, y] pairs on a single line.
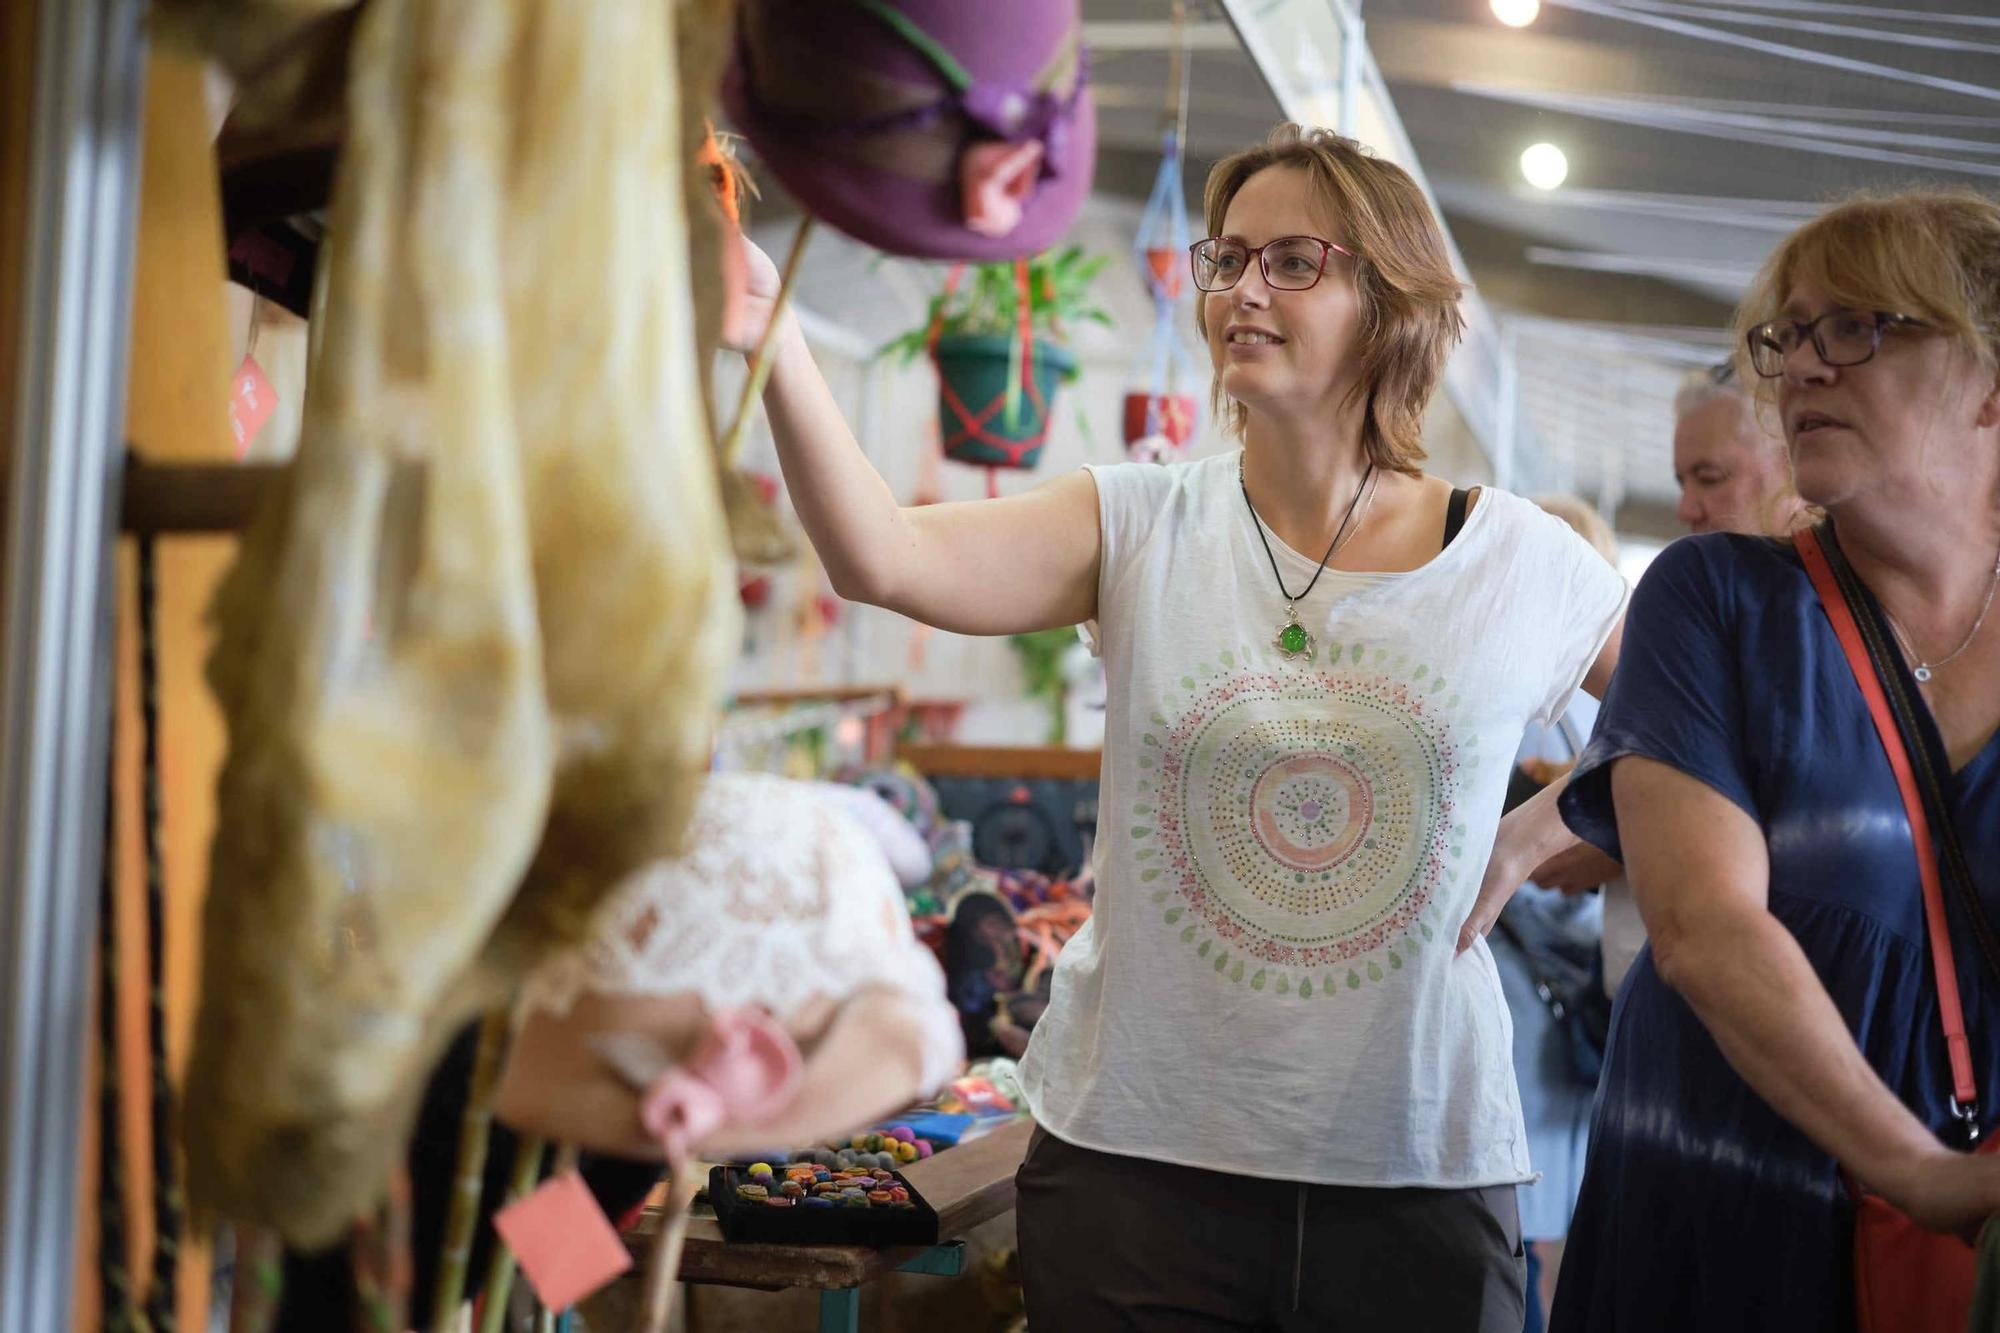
[[1817, 1017], [1274, 1082]]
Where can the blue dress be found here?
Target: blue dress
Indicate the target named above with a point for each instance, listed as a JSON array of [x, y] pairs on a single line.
[[1701, 1207]]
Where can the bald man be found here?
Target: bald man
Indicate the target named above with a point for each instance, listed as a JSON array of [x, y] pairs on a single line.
[[1734, 475]]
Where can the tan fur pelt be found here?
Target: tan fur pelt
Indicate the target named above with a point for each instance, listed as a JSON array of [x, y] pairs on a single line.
[[470, 656]]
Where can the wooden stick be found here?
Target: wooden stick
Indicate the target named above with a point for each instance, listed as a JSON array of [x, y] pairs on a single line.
[[471, 1170], [663, 1272], [760, 364], [528, 1154], [567, 1155]]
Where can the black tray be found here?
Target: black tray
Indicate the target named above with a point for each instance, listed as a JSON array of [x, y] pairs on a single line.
[[743, 1220]]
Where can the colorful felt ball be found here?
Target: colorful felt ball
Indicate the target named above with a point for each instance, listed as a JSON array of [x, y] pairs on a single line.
[[906, 1152], [819, 1202], [903, 1132], [924, 1149]]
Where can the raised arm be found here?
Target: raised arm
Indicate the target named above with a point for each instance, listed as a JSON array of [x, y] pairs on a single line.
[[1700, 869], [1004, 566]]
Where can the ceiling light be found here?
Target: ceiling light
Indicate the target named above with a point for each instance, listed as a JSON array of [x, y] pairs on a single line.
[[1544, 165], [1516, 13]]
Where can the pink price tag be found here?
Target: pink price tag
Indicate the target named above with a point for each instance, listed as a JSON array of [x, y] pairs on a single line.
[[563, 1241], [251, 402]]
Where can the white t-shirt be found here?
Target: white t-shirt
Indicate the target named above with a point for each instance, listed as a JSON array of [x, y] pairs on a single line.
[[1286, 849]]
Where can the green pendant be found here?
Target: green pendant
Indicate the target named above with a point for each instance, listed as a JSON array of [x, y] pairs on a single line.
[[1294, 640]]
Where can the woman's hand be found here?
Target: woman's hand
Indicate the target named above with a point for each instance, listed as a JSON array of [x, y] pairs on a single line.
[[1529, 834], [1504, 873], [761, 283], [1581, 869], [1948, 1191]]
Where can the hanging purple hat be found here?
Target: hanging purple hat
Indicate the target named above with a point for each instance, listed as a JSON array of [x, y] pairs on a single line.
[[937, 129]]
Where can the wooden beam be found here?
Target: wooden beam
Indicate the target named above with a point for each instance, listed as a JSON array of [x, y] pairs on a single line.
[[194, 497], [1003, 761]]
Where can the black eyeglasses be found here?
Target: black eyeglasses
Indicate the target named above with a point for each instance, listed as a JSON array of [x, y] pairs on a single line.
[[1290, 263], [1841, 337]]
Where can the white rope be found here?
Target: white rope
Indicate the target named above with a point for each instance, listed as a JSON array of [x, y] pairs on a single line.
[[1646, 266], [1794, 24], [1930, 16], [1702, 32], [1660, 117]]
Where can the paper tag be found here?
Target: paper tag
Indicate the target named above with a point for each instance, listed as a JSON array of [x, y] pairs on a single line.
[[251, 402], [562, 1240]]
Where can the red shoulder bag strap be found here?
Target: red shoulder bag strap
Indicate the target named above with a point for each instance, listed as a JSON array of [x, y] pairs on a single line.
[[1965, 1093]]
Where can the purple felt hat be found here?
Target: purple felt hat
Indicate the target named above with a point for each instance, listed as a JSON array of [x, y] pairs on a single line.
[[937, 129]]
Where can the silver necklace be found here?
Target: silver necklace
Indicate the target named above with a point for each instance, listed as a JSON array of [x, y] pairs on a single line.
[[1294, 639], [1923, 669]]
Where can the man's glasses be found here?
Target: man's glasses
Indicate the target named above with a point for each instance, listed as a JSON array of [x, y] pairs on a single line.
[[1841, 337], [1290, 263]]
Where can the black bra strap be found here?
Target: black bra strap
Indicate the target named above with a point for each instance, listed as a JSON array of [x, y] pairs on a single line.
[[1454, 514]]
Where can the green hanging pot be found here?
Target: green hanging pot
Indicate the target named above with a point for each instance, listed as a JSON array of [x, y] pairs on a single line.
[[974, 373]]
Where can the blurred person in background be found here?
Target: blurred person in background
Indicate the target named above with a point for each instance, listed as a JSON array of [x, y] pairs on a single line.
[[1546, 945], [1729, 462], [1734, 476]]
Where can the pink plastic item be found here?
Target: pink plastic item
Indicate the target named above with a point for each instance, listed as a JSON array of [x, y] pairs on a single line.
[[747, 1070]]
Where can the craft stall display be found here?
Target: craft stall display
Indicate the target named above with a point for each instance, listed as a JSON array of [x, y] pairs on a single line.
[[471, 653], [762, 988], [435, 771]]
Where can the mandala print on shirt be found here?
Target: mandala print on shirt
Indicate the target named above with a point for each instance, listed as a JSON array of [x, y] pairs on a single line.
[[1298, 824]]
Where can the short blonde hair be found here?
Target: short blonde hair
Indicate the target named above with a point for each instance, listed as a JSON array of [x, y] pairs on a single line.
[[1933, 255], [1589, 524], [1409, 294]]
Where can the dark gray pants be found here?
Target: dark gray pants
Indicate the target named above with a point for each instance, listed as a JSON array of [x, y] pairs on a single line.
[[1113, 1243]]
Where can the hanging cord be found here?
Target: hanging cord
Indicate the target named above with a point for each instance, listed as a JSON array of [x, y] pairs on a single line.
[[115, 1277], [168, 1210], [123, 1310]]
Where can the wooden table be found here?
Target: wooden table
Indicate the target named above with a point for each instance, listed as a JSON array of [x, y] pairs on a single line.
[[967, 1185]]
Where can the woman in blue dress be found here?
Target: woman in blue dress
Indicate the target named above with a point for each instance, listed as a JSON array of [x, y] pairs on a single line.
[[1781, 1033]]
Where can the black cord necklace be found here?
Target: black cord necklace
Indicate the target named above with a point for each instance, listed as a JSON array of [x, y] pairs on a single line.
[[1294, 639]]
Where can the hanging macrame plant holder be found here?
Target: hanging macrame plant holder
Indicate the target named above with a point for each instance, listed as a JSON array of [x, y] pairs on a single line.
[[1161, 418], [996, 391]]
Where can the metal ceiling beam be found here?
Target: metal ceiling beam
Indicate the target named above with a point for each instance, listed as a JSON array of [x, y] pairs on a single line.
[[64, 456], [1671, 267], [1771, 215], [1930, 16], [1793, 23], [1105, 35], [1664, 116], [1783, 50]]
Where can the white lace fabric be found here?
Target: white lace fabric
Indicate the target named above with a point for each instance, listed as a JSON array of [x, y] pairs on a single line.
[[782, 899]]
